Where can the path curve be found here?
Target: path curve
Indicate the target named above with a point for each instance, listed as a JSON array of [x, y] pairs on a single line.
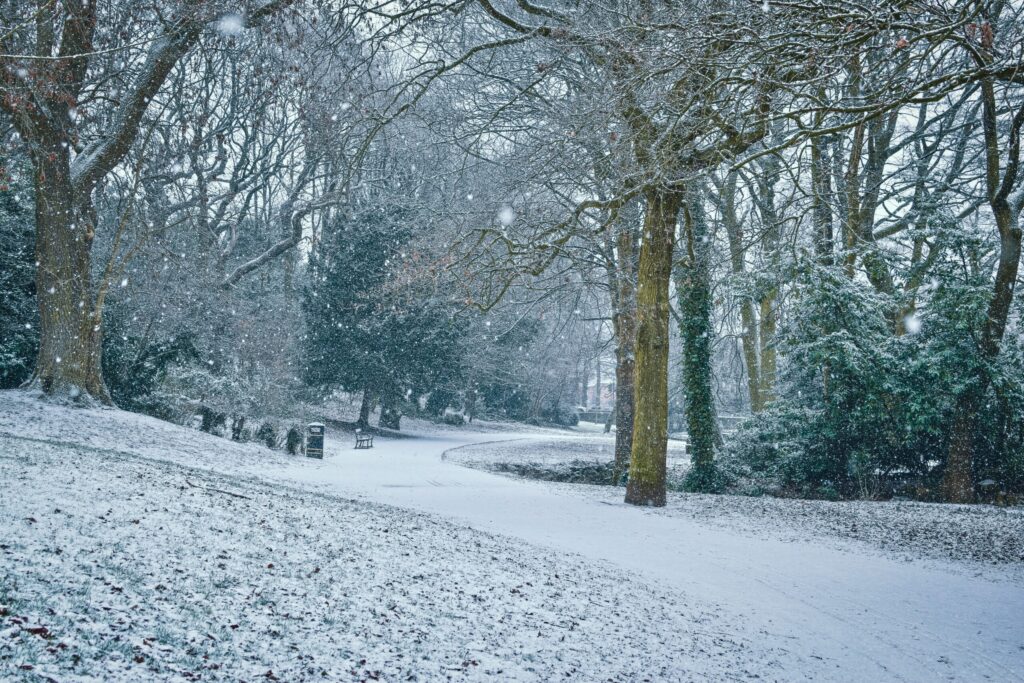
[[837, 612]]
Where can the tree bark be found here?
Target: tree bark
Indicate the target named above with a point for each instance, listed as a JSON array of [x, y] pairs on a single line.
[[390, 413], [958, 478], [769, 364], [772, 222], [469, 407], [650, 419], [821, 185], [585, 385], [624, 398], [748, 335], [365, 408], [693, 287], [624, 322], [69, 363]]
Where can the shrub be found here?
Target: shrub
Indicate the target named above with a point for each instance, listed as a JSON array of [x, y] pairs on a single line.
[[267, 435], [455, 419], [293, 441], [212, 420], [864, 412]]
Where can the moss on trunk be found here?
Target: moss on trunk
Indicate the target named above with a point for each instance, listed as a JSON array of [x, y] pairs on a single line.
[[650, 419]]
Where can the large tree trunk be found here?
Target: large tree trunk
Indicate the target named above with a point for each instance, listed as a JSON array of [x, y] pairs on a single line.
[[693, 286], [365, 408], [650, 419], [71, 343], [766, 335], [958, 478], [624, 321]]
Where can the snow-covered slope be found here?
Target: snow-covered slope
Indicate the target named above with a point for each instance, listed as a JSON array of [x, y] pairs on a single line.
[[117, 566], [534, 579]]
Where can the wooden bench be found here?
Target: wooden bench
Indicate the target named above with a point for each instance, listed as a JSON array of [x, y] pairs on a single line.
[[364, 440]]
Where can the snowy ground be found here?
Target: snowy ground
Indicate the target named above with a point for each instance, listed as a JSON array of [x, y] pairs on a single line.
[[975, 533], [498, 572], [557, 458], [123, 568]]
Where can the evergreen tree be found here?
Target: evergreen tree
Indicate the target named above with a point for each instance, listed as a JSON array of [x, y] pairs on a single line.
[[366, 335], [19, 312]]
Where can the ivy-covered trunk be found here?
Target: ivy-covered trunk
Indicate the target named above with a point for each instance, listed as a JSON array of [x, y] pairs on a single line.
[[693, 286], [650, 418]]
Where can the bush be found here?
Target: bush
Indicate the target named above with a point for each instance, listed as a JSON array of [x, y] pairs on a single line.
[[866, 413], [455, 419], [574, 472], [212, 420], [293, 441], [561, 416], [267, 435], [439, 400], [134, 369], [711, 479]]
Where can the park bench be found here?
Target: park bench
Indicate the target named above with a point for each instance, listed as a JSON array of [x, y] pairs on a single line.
[[364, 440]]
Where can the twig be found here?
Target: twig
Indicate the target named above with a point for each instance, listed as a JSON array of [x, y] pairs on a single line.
[[207, 488]]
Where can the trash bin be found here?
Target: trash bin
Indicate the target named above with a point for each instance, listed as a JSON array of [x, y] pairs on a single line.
[[315, 440]]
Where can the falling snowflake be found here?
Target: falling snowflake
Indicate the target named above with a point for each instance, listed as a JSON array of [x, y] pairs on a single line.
[[506, 215], [230, 24], [912, 324]]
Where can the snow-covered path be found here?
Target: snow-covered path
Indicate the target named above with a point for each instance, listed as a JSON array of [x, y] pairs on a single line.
[[840, 612]]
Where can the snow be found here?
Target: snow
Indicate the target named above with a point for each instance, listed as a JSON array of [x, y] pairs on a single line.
[[231, 24], [555, 457], [912, 323], [838, 611], [422, 557], [981, 535], [139, 569]]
